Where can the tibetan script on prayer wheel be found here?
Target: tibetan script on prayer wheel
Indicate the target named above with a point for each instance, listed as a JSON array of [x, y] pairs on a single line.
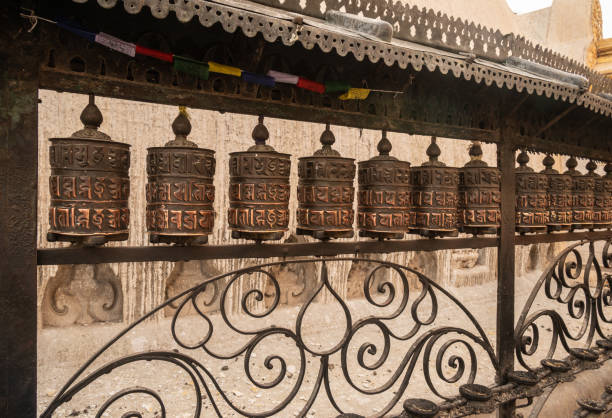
[[384, 208], [606, 184], [180, 191], [479, 195], [600, 197], [583, 187], [259, 190], [325, 192], [89, 185], [558, 197], [435, 196], [531, 205]]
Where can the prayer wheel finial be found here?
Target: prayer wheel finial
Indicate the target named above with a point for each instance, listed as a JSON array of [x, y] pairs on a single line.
[[384, 145], [327, 140], [181, 127], [433, 152]]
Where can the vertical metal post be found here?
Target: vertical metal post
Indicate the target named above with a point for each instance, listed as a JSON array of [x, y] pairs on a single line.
[[505, 266], [18, 185]]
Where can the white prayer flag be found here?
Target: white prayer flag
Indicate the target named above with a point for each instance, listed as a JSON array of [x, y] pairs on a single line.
[[116, 44], [283, 77]]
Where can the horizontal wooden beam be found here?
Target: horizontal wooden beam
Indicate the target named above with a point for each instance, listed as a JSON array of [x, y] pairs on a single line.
[[74, 255], [74, 82]]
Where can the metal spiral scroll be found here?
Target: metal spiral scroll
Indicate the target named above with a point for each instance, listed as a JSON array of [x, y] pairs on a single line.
[[568, 281], [428, 341]]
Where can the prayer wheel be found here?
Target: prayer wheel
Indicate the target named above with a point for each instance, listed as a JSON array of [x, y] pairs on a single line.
[[531, 190], [479, 195], [600, 195], [180, 191], [259, 190], [325, 192], [89, 185], [607, 185], [583, 187], [435, 189], [558, 197], [384, 208]]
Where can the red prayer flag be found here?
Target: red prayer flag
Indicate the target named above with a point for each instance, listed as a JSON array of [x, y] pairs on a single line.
[[153, 53], [311, 85]]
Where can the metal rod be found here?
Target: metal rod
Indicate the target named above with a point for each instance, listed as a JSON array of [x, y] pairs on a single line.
[[84, 255]]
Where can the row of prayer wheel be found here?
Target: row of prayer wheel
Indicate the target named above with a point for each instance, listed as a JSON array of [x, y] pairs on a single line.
[[90, 186]]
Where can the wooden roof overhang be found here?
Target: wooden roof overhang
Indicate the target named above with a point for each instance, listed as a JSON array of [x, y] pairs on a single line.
[[452, 74]]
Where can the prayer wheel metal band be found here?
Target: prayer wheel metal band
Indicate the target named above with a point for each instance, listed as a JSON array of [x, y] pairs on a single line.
[[479, 195], [558, 197], [259, 190], [180, 192], [384, 208], [435, 196], [531, 205], [326, 193], [583, 188], [89, 185]]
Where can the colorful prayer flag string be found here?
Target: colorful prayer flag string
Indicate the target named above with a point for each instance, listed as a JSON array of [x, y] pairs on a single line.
[[201, 69]]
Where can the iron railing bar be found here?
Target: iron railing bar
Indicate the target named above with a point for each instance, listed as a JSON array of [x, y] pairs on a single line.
[[84, 255]]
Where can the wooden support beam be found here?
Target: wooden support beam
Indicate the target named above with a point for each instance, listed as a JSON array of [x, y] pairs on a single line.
[[556, 119], [19, 58], [505, 266]]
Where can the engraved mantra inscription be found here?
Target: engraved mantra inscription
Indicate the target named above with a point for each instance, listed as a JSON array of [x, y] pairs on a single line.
[[197, 163], [88, 220], [80, 156], [257, 218], [178, 220], [341, 218], [98, 188]]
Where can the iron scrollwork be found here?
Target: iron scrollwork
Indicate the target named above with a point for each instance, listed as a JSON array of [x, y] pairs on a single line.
[[584, 290], [458, 352]]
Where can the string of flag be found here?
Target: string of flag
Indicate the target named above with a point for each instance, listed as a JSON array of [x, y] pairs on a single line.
[[202, 69]]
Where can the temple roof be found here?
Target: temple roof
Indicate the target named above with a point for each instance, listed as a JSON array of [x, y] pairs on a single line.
[[420, 38]]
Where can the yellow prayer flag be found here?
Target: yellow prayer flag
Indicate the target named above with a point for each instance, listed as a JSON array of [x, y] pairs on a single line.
[[355, 94], [213, 67]]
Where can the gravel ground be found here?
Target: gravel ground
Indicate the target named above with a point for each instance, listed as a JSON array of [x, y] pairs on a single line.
[[322, 323]]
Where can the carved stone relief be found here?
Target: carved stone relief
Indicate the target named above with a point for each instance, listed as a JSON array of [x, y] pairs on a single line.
[[82, 294], [187, 274]]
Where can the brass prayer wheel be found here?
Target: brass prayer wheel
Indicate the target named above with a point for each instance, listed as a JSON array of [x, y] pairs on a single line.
[[180, 191], [326, 192], [600, 195], [259, 190], [607, 188], [384, 209], [479, 195], [435, 190], [558, 197], [583, 187], [531, 190], [89, 185]]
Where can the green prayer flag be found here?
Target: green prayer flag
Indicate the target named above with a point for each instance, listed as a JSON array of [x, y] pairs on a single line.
[[336, 87], [193, 67]]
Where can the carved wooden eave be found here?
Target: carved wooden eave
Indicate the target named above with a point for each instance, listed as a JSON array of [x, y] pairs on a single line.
[[430, 47], [466, 92]]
